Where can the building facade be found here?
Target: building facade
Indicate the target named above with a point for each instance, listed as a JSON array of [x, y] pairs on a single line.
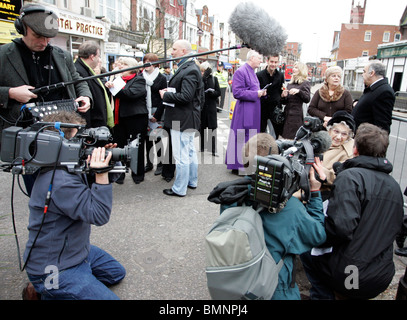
[[361, 40], [130, 27]]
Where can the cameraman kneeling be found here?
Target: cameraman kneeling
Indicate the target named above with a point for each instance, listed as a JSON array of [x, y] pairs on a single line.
[[60, 262], [293, 230]]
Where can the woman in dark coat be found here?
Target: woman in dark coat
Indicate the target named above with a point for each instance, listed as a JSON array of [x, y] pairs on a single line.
[[131, 114], [298, 92], [331, 97], [209, 119]]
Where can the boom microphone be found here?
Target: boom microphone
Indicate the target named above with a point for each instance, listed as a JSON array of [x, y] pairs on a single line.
[[320, 141], [257, 29]]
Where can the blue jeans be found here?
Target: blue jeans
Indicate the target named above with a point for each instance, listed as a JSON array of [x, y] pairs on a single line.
[[186, 161], [85, 281]]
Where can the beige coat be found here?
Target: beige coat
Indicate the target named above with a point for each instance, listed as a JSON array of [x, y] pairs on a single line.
[[332, 155], [335, 154]]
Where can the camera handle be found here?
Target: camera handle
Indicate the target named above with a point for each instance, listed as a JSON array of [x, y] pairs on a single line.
[[304, 182]]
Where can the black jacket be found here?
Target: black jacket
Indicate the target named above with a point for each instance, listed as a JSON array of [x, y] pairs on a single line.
[[274, 91], [375, 106], [365, 213], [133, 97], [209, 118], [159, 83], [97, 115], [188, 98]]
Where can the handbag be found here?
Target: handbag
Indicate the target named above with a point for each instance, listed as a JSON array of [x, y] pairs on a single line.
[[278, 116]]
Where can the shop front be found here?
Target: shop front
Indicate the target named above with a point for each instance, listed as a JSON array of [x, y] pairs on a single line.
[[75, 29]]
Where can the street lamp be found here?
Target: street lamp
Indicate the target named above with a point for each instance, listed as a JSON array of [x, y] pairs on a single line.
[[166, 36]]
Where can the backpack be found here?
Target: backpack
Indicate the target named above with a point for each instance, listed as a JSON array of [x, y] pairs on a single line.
[[238, 263]]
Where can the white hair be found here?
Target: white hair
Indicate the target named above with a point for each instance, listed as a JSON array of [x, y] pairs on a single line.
[[184, 44], [251, 54], [205, 65]]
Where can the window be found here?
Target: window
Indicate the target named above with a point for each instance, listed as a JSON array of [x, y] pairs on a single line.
[[386, 36], [112, 10], [397, 37], [365, 53], [368, 35]]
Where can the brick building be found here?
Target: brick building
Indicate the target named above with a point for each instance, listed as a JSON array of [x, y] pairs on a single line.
[[361, 40]]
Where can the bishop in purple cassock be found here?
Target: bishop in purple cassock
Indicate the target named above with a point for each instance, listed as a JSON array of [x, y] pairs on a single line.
[[246, 115]]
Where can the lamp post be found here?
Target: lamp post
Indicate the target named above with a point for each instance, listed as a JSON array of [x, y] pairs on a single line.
[[166, 36]]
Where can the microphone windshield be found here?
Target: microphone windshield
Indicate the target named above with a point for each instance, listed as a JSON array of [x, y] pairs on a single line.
[[257, 29], [320, 141]]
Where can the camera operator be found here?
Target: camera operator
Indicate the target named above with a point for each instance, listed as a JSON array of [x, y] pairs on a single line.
[[60, 261], [293, 230]]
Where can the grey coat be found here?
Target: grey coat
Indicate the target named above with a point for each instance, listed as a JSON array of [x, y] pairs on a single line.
[[13, 74]]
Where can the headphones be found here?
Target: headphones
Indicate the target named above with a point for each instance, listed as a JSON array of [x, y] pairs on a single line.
[[19, 24]]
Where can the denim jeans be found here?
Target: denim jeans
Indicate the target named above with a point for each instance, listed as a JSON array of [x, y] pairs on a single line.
[[186, 161], [85, 281]]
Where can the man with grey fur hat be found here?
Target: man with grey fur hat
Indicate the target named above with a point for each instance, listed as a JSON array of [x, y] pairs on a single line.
[[31, 62]]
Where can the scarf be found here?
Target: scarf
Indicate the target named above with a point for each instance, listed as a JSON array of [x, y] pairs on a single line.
[[109, 111], [117, 100], [324, 93], [150, 77]]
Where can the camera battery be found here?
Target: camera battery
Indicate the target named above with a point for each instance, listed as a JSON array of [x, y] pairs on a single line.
[[268, 183], [8, 143]]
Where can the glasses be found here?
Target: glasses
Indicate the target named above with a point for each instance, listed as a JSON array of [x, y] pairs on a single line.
[[343, 134]]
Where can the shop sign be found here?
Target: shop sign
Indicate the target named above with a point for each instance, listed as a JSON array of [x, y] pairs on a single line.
[[81, 26], [10, 9], [399, 51]]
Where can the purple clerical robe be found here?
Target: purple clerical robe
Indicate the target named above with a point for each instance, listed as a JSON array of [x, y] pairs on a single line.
[[246, 116]]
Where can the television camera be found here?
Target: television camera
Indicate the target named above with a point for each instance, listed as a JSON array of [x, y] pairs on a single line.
[[24, 151], [277, 177]]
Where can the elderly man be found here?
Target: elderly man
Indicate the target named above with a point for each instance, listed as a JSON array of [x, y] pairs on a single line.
[[183, 100], [376, 104], [246, 116]]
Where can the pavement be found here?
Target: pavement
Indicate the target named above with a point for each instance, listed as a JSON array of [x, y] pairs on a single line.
[[158, 239]]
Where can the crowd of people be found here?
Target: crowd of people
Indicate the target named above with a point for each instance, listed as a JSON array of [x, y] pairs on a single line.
[[363, 204]]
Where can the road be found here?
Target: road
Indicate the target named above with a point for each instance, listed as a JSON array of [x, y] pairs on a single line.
[[158, 239]]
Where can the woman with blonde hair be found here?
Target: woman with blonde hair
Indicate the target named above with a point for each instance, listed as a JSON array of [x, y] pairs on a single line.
[[331, 97], [297, 92]]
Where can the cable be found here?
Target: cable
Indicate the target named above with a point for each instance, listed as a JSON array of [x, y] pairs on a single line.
[[47, 202]]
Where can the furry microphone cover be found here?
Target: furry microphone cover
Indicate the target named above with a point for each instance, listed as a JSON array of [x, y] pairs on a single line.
[[257, 29]]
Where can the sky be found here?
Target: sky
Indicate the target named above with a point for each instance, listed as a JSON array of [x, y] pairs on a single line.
[[313, 22]]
